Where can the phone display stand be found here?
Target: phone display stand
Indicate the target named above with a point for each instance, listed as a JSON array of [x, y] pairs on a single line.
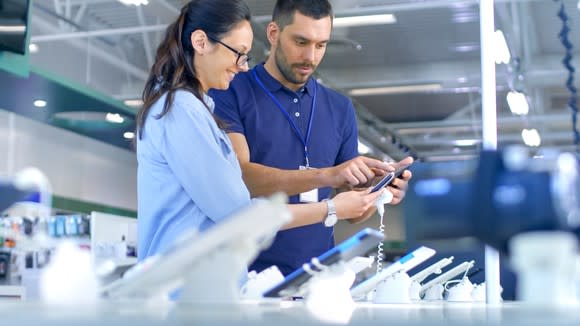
[[394, 289], [418, 278], [362, 291], [216, 277], [434, 293], [433, 290], [460, 292], [415, 291], [478, 293], [359, 263], [258, 283], [329, 285], [207, 267]]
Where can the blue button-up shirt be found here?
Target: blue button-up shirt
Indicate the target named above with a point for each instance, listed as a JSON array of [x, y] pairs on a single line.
[[272, 141], [188, 174]]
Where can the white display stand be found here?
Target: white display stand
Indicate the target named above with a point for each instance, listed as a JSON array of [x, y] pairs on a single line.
[[207, 267]]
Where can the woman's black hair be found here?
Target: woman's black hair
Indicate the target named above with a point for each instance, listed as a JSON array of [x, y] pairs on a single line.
[[173, 68]]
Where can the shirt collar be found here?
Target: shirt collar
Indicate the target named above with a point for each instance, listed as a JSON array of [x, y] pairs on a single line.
[[209, 102], [274, 85]]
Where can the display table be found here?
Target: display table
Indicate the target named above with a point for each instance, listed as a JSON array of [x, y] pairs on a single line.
[[285, 313]]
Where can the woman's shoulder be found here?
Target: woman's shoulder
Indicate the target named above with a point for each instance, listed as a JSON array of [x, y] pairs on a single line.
[[181, 98]]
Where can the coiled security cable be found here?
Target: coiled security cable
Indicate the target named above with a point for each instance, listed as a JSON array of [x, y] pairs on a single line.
[[567, 61], [380, 250]]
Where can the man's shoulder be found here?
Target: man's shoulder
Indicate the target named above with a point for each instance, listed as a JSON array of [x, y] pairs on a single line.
[[334, 98], [242, 81], [332, 94]]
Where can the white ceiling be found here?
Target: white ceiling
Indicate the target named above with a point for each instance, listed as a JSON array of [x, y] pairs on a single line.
[[110, 47]]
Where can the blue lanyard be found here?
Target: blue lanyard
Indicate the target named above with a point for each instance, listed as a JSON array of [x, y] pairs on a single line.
[[304, 141]]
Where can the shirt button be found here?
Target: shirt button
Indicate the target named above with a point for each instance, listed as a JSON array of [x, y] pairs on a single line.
[[297, 114], [295, 100]]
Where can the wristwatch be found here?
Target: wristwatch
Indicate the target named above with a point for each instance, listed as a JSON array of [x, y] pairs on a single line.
[[331, 217]]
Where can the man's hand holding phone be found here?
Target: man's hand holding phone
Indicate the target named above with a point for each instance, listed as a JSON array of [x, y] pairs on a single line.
[[397, 181]]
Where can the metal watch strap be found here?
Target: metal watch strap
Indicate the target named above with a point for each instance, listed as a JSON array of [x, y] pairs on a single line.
[[331, 217]]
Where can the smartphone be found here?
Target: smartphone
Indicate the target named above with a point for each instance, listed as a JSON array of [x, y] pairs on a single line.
[[352, 247], [388, 179]]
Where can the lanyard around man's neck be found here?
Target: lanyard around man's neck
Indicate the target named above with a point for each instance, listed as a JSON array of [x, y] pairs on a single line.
[[303, 140]]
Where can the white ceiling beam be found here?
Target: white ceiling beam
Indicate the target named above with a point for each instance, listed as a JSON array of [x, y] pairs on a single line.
[[58, 11], [405, 128], [466, 110], [67, 9], [145, 37], [399, 7], [547, 72], [171, 8], [101, 32], [97, 51], [80, 13], [503, 137]]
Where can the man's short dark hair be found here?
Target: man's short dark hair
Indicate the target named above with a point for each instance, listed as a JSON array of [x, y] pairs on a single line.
[[284, 10]]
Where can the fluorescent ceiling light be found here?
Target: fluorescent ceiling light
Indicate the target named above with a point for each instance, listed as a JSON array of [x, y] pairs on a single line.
[[12, 29], [114, 118], [134, 2], [518, 103], [466, 142], [464, 13], [364, 20], [502, 52], [465, 47], [578, 5], [464, 17], [133, 103], [129, 135], [531, 137], [39, 103], [395, 89]]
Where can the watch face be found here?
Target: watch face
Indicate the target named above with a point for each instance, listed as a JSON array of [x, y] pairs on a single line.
[[330, 220]]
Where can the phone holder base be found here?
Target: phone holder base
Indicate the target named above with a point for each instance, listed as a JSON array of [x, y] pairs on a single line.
[[394, 289], [434, 293], [461, 292], [415, 291], [258, 283], [327, 294], [217, 277]]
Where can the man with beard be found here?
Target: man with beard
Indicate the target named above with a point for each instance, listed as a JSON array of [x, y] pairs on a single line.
[[292, 134]]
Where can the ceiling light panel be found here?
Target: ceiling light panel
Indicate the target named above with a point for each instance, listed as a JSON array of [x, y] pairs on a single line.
[[364, 20], [402, 89]]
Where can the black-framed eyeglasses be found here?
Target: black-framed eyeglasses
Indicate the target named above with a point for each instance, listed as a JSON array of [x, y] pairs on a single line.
[[242, 59]]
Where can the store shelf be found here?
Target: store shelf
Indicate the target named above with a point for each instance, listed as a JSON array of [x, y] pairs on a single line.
[[8, 292]]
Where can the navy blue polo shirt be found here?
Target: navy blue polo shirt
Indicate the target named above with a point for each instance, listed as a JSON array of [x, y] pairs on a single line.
[[272, 141]]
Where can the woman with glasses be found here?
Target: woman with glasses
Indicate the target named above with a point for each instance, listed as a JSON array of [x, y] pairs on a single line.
[[188, 173]]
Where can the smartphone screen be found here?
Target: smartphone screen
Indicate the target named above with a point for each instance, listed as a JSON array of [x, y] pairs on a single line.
[[388, 179]]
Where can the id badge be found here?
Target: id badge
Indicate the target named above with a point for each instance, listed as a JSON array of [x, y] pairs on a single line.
[[309, 196]]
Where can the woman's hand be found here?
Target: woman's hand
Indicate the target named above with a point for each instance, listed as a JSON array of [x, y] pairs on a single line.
[[355, 204]]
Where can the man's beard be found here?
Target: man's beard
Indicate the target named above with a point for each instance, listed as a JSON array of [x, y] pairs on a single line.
[[286, 69]]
